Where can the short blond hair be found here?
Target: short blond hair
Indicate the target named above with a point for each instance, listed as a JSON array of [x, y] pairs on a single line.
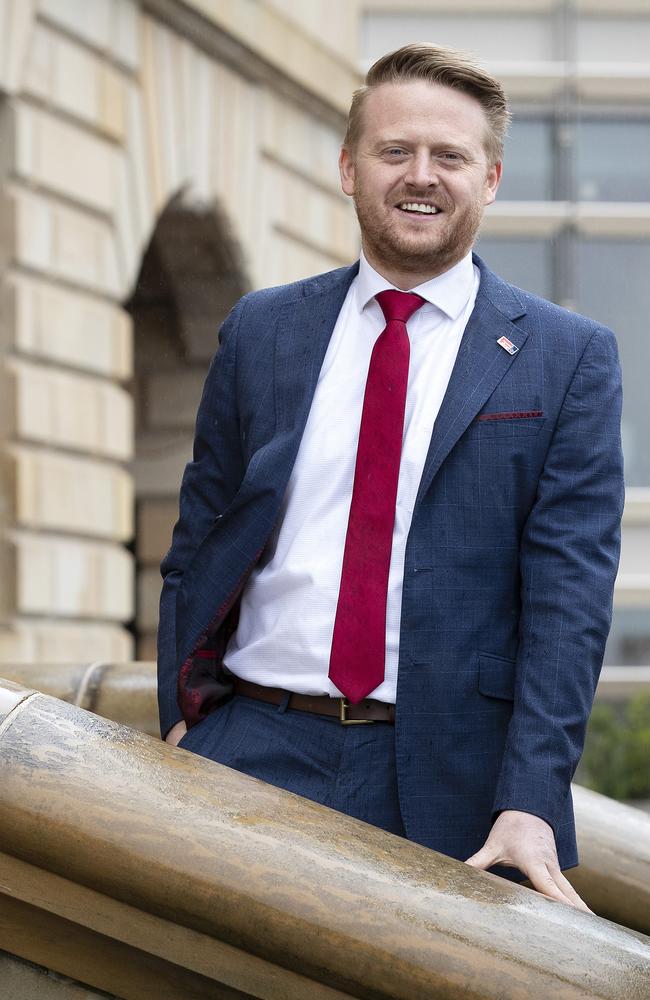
[[435, 64]]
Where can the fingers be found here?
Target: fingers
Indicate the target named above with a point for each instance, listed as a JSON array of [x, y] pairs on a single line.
[[570, 892], [555, 886], [545, 878], [176, 733], [483, 859]]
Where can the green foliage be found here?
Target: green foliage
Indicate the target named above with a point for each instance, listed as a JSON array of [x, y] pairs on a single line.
[[616, 758]]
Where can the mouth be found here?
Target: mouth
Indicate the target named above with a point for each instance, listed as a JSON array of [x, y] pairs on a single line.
[[418, 209]]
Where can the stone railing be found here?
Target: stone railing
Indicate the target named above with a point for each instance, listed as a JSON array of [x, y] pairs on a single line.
[[144, 870]]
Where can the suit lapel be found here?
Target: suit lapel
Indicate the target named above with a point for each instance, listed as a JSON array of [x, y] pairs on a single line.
[[304, 329], [480, 365]]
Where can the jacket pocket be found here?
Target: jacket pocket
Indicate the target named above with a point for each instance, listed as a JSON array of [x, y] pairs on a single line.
[[507, 426], [496, 676]]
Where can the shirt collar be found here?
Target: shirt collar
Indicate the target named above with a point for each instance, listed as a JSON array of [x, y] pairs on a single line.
[[449, 292]]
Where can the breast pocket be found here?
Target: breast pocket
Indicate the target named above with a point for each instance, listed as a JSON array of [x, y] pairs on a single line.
[[508, 424]]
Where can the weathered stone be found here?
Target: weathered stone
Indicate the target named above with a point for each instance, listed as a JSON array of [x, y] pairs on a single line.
[[16, 20], [33, 641], [63, 493], [72, 577], [111, 26], [68, 327], [67, 76], [100, 811], [64, 158], [62, 242], [64, 409]]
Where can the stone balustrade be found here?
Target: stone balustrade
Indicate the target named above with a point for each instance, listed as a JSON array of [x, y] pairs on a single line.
[[135, 867]]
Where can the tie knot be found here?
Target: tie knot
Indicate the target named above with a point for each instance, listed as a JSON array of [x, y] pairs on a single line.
[[398, 305]]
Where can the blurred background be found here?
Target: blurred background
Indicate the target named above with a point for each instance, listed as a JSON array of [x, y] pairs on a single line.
[[160, 157]]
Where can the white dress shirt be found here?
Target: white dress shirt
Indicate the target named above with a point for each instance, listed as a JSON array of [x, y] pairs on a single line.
[[288, 606]]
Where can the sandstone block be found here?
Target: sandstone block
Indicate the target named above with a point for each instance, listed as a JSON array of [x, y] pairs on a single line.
[[16, 20], [111, 113], [62, 242], [61, 577], [64, 158], [67, 327], [59, 492], [67, 76], [28, 641], [90, 22], [108, 25], [71, 410], [325, 222]]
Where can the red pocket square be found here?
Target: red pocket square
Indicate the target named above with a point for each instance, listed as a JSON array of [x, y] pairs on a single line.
[[511, 415]]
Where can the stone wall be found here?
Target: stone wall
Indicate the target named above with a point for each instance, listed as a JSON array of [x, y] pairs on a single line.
[[109, 112]]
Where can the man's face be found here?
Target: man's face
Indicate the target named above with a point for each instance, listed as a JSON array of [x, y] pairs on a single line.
[[422, 145]]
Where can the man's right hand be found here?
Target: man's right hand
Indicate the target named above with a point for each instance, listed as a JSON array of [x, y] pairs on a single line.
[[176, 733]]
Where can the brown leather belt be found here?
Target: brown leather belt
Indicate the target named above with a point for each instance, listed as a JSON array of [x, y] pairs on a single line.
[[368, 710]]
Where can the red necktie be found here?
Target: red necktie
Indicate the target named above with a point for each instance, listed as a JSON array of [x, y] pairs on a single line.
[[359, 640]]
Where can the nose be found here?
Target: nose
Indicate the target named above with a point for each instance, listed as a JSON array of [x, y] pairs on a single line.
[[421, 170]]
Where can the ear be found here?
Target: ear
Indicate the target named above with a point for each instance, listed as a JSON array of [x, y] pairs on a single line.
[[492, 182], [347, 171]]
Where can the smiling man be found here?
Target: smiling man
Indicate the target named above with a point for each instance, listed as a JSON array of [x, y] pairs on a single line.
[[390, 584]]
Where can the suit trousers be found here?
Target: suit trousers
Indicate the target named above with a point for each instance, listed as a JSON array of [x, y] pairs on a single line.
[[348, 768]]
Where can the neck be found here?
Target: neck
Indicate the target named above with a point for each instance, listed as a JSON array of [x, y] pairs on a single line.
[[406, 279]]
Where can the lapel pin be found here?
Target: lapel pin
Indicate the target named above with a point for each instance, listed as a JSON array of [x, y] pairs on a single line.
[[507, 345]]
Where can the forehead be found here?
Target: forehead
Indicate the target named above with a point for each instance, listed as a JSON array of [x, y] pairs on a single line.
[[419, 107]]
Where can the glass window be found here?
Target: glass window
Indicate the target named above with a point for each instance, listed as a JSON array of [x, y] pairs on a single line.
[[518, 37], [612, 160], [523, 262], [613, 287], [527, 162], [613, 39]]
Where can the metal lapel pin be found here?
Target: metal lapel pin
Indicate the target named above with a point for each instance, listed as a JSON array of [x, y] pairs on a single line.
[[507, 345]]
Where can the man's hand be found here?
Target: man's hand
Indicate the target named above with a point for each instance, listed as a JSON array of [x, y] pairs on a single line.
[[526, 842], [176, 733]]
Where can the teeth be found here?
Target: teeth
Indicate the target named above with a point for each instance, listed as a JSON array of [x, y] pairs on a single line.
[[414, 206]]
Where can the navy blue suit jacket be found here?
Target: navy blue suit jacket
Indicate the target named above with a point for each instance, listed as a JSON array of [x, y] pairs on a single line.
[[510, 560]]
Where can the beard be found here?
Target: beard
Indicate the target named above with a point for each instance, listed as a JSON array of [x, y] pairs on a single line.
[[390, 245]]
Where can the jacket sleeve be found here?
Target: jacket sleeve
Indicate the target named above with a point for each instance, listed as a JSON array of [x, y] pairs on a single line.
[[569, 556], [210, 481]]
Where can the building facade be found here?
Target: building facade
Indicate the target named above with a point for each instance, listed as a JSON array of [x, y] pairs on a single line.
[[160, 157], [157, 160]]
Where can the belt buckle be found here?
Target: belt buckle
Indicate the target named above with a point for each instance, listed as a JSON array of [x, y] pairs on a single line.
[[343, 719]]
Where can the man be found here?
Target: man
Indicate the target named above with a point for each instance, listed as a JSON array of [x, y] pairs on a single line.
[[406, 490]]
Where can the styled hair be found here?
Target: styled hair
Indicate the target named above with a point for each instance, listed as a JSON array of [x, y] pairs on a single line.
[[435, 64]]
